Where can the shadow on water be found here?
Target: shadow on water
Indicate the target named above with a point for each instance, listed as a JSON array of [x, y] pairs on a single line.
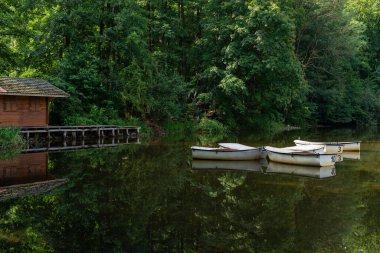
[[146, 198]]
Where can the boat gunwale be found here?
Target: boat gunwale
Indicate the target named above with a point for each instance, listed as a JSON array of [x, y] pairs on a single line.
[[227, 150], [338, 143], [302, 153]]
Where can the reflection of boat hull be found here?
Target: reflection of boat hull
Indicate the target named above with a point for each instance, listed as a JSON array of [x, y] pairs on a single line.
[[301, 158], [300, 170], [225, 154], [339, 157], [351, 155], [255, 165]]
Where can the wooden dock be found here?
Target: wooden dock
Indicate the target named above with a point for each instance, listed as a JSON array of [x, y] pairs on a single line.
[[80, 131]]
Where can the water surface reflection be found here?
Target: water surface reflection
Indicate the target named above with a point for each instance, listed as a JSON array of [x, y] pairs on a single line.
[[146, 198]]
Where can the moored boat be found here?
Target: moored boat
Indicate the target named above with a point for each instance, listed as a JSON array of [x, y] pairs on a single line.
[[331, 147], [222, 153], [301, 170], [282, 155]]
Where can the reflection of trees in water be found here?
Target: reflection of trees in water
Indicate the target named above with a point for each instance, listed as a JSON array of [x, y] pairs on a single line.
[[145, 198], [342, 215], [121, 199]]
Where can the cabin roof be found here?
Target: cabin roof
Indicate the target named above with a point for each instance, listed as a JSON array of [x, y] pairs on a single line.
[[14, 86]]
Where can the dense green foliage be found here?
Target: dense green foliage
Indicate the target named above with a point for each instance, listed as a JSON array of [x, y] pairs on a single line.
[[11, 142], [251, 63]]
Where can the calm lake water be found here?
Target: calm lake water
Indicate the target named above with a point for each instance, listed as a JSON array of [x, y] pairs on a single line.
[[147, 198]]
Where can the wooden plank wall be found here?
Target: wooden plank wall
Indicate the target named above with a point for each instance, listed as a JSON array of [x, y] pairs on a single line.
[[23, 111]]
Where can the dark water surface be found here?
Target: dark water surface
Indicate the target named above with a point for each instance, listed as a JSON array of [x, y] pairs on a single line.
[[146, 198]]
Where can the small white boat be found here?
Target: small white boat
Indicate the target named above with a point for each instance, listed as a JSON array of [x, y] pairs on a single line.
[[282, 155], [301, 170], [222, 153], [331, 147], [254, 165], [239, 146], [319, 149]]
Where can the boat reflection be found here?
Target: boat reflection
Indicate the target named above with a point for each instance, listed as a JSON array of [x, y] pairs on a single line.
[[300, 170], [339, 157], [351, 155], [253, 165], [26, 174]]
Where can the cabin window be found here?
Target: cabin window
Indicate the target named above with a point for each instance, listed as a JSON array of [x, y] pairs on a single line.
[[35, 104], [10, 104]]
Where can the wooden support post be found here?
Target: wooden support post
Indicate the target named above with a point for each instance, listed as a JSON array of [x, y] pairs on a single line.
[[64, 135]]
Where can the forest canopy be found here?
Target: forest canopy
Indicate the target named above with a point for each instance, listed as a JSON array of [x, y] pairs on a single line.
[[242, 63]]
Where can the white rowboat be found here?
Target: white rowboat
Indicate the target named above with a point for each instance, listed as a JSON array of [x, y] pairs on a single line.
[[301, 170], [225, 153], [331, 147], [282, 155]]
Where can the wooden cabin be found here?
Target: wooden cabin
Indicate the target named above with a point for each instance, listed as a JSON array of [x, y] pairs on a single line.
[[25, 102]]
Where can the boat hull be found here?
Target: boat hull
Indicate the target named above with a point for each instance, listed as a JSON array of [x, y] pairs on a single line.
[[303, 159], [352, 146], [235, 155]]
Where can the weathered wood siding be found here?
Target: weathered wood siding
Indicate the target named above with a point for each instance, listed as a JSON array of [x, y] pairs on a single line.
[[24, 111], [24, 168]]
